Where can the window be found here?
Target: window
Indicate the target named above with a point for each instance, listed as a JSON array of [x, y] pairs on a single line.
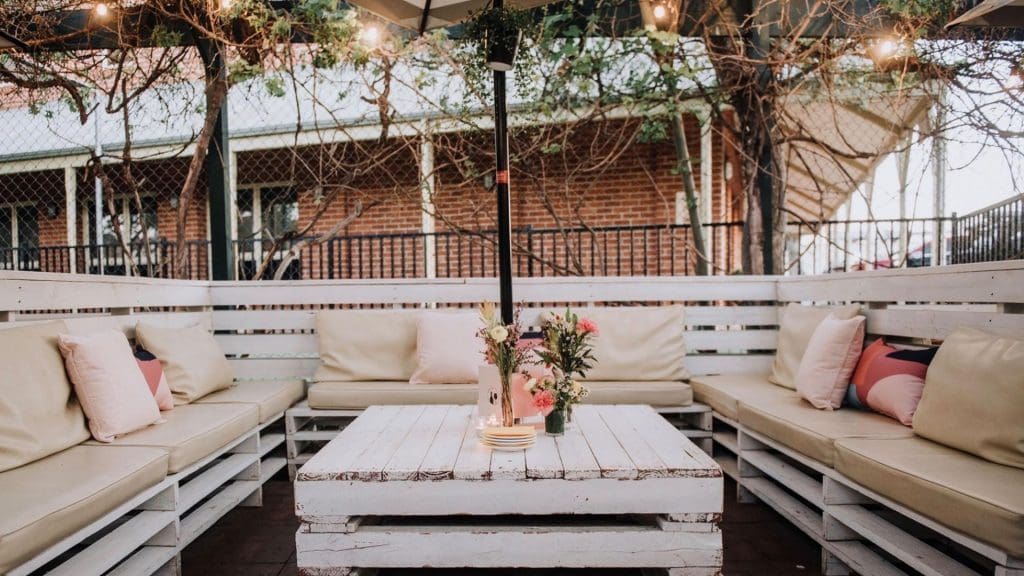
[[264, 212], [19, 237], [139, 229]]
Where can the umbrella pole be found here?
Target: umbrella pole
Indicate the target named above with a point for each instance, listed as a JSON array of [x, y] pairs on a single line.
[[501, 181]]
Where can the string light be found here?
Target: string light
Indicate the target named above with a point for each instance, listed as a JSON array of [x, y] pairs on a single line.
[[660, 11], [226, 4], [370, 35], [101, 9]]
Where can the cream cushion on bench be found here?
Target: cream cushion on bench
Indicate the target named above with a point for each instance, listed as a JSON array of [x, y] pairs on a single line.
[[366, 345], [39, 414], [360, 395], [793, 422], [192, 360], [272, 397], [654, 393], [194, 431], [979, 498], [637, 344], [724, 392], [50, 499]]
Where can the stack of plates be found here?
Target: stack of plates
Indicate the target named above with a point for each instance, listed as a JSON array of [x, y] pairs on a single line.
[[508, 439]]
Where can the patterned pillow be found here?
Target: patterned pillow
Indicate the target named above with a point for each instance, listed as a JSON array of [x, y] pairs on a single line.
[[894, 382], [856, 394], [154, 375]]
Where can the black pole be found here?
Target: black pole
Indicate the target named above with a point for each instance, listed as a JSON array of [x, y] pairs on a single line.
[[217, 175], [501, 183]]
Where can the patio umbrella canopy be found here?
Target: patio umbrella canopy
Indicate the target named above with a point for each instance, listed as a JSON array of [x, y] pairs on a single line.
[[423, 15], [1001, 13]]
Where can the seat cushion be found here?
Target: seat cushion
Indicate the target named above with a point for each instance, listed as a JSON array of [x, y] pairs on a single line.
[[360, 395], [969, 494], [812, 432], [637, 344], [193, 361], [272, 397], [39, 414], [193, 432], [725, 391], [366, 345], [50, 499], [973, 397], [655, 393]]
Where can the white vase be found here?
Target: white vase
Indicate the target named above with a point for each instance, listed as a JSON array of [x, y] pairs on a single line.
[[488, 400]]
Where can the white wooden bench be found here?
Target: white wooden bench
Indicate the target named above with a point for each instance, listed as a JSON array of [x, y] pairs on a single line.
[[146, 534]]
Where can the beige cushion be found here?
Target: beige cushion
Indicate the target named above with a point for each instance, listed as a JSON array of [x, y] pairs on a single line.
[[39, 414], [725, 391], [670, 393], [366, 345], [50, 499], [193, 432], [974, 397], [979, 498], [637, 344], [796, 326], [272, 397], [448, 350], [108, 382], [192, 360], [811, 432], [359, 395], [829, 360]]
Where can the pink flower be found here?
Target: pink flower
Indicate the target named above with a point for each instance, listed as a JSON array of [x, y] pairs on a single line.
[[543, 400], [586, 326]]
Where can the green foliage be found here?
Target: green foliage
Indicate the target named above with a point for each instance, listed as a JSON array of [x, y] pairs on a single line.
[[164, 37]]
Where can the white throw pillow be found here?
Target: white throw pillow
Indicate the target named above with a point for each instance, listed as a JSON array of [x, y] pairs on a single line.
[[829, 361], [109, 384], [448, 350]]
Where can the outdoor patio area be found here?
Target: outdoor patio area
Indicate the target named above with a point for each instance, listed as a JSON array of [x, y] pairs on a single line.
[[597, 287]]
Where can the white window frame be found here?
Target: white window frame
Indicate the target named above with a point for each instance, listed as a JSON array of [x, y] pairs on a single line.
[[13, 207], [257, 212]]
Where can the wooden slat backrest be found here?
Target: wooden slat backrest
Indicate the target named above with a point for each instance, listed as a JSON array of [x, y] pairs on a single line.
[[268, 327]]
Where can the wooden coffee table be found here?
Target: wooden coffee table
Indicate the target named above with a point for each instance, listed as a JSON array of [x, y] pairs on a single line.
[[411, 487]]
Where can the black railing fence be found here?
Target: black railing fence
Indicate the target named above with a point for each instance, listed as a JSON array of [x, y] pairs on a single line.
[[996, 233], [993, 233]]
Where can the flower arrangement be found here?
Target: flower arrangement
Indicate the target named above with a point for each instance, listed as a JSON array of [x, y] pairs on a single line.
[[502, 349], [568, 349]]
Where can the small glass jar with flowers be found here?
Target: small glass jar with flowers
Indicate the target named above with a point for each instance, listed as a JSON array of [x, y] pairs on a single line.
[[503, 350], [568, 349]]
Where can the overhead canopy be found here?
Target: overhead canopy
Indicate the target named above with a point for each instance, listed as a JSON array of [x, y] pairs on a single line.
[[835, 143], [439, 13], [1001, 13]]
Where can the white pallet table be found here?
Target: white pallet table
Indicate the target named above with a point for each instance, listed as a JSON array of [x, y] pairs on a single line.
[[413, 487]]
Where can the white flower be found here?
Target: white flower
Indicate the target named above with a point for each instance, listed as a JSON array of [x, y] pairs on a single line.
[[576, 387], [499, 334], [528, 386]]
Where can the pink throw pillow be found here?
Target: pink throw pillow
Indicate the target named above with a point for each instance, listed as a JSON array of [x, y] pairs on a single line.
[[153, 372], [109, 385], [829, 361], [447, 348], [894, 383]]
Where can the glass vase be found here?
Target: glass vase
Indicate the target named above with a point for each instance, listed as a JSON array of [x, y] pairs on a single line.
[[507, 414], [554, 423]]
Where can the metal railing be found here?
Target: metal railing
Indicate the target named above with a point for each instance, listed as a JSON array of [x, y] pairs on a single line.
[[996, 233], [992, 233]]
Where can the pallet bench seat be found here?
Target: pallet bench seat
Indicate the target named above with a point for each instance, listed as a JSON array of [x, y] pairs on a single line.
[[131, 506]]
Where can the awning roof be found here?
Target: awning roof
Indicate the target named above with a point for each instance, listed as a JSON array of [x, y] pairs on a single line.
[[1002, 13], [841, 141]]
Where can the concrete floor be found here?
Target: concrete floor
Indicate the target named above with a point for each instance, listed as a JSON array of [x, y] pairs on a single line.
[[261, 542]]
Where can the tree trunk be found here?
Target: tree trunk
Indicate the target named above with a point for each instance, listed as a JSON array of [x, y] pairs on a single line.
[[685, 166]]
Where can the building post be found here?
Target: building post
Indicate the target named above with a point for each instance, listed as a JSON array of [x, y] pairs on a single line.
[[428, 224], [233, 210], [217, 174], [939, 165], [71, 216], [707, 186], [902, 172]]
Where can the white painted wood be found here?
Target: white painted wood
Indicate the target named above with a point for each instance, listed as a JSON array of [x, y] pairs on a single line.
[[611, 458], [501, 545], [206, 515], [937, 324], [119, 543], [543, 460], [271, 368], [792, 478], [406, 460], [439, 461], [728, 363], [724, 341], [996, 282], [341, 455], [193, 491], [897, 542], [148, 560], [43, 291]]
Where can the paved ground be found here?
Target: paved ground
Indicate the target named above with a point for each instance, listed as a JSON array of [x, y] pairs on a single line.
[[261, 542]]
